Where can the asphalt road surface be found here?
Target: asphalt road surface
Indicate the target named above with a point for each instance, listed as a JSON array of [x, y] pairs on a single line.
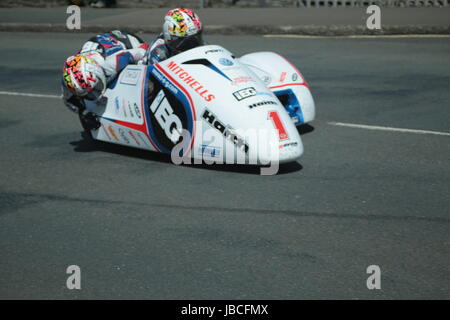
[[140, 227]]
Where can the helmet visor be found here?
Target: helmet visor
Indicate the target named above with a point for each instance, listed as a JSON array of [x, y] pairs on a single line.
[[180, 44], [95, 93]]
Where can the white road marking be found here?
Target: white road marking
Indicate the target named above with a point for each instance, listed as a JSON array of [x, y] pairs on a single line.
[[363, 126], [399, 36], [341, 124], [387, 36], [35, 95]]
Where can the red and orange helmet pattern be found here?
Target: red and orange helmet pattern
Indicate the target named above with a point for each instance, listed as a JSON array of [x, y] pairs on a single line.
[[82, 75]]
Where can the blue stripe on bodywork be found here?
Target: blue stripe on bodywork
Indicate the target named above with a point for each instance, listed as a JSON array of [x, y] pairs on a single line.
[[165, 82]]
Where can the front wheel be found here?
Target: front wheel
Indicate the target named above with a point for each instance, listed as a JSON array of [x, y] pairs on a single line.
[[88, 122]]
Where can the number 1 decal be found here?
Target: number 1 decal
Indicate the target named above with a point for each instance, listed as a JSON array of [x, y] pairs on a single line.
[[282, 134]]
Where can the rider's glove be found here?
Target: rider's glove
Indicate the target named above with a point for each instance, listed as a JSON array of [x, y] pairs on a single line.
[[74, 104]]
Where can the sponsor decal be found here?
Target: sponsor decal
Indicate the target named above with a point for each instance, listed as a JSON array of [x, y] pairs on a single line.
[[294, 77], [124, 109], [225, 62], [269, 94], [129, 109], [167, 120], [266, 79], [124, 136], [169, 115], [189, 80], [106, 132], [213, 51], [142, 139], [130, 76], [137, 110], [289, 144], [262, 103], [113, 132], [241, 79], [244, 93], [164, 81], [210, 151], [226, 131], [117, 104], [283, 76], [134, 138]]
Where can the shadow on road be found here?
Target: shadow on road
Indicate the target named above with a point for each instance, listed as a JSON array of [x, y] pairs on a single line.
[[246, 169], [305, 129], [87, 144]]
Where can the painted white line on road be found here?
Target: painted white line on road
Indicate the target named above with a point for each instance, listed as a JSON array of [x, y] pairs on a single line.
[[386, 36], [367, 127], [299, 36], [399, 36], [341, 124], [35, 95]]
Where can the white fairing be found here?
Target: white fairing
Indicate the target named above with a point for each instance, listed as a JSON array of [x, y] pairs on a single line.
[[278, 74], [205, 104], [124, 104]]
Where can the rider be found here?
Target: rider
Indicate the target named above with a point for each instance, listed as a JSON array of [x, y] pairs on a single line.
[[182, 30], [87, 73]]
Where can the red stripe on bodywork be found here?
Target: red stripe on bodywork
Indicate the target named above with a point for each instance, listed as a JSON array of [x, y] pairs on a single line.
[[140, 127], [299, 73], [289, 84]]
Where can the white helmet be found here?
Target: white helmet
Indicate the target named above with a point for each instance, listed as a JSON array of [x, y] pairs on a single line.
[[182, 30], [84, 77]]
